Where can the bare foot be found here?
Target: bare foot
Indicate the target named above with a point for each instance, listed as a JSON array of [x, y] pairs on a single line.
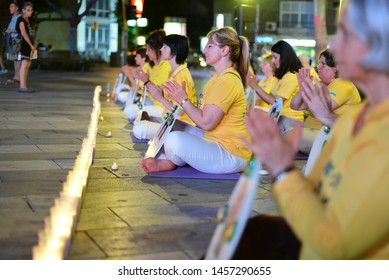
[[157, 165]]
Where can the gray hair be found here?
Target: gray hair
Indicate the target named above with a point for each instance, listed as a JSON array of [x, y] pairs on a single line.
[[371, 20]]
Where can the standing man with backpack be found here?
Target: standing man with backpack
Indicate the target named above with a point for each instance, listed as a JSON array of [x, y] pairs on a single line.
[[13, 40]]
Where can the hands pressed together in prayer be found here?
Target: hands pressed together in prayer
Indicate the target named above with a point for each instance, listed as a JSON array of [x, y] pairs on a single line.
[[317, 99], [274, 150], [155, 91], [176, 91]]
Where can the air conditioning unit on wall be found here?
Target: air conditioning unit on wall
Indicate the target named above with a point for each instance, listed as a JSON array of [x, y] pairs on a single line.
[[271, 26]]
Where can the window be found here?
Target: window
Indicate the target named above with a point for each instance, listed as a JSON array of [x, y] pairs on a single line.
[[296, 14], [100, 9]]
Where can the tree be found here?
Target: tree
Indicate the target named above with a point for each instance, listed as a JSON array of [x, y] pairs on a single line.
[[320, 27], [72, 16]]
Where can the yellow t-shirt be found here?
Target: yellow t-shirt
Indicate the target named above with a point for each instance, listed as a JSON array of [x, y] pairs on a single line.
[[226, 91], [146, 68], [180, 75], [344, 93], [286, 88], [341, 210], [266, 84], [159, 75]]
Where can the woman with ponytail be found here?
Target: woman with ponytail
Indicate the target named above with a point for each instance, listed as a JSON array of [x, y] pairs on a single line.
[[220, 113]]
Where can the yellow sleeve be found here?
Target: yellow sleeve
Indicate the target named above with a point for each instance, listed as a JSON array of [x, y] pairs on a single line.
[[355, 220], [287, 86]]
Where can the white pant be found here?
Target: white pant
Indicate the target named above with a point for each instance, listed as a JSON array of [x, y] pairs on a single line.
[[145, 129], [206, 156], [131, 110]]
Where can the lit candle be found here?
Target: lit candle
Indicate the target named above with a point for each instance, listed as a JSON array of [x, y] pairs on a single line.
[[114, 166], [109, 134]]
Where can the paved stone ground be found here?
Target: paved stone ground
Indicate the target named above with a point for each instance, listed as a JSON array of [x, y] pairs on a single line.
[[125, 214], [40, 136]]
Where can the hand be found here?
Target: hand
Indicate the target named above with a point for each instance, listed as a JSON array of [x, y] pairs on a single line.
[[155, 91], [252, 79], [317, 98], [140, 75], [303, 74], [177, 92], [274, 150]]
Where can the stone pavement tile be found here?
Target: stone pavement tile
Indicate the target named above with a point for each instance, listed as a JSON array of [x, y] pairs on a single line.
[[41, 156], [125, 184], [114, 154], [19, 149], [111, 146], [265, 206], [29, 187], [120, 242], [121, 198], [155, 215], [24, 140], [128, 171], [13, 202], [28, 165], [96, 173], [17, 247], [25, 221], [60, 148], [33, 175], [98, 218], [84, 248], [65, 163], [183, 194]]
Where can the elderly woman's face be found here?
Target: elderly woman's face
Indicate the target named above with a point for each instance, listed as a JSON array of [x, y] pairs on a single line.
[[348, 50]]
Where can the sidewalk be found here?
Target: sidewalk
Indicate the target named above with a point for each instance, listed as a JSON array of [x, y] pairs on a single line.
[[125, 214], [40, 136]]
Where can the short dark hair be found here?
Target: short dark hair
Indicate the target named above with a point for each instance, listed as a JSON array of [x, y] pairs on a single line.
[[179, 46], [289, 62], [154, 40], [330, 59], [142, 53], [16, 3]]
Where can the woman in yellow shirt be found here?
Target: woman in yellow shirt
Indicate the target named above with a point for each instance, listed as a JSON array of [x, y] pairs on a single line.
[[175, 49], [158, 75], [220, 113], [340, 210], [286, 65]]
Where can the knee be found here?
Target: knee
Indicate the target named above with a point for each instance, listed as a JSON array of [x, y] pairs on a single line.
[[174, 143], [131, 112], [139, 129]]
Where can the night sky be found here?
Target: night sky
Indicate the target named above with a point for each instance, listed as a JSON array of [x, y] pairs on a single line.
[[198, 14]]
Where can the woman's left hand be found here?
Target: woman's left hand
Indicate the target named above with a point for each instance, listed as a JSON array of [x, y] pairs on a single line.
[[176, 91], [155, 91], [274, 150]]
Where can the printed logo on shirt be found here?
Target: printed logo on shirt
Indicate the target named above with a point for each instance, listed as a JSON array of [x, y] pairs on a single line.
[[332, 93]]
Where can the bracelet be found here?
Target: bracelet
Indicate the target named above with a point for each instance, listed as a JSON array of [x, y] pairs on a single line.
[[284, 172], [183, 101]]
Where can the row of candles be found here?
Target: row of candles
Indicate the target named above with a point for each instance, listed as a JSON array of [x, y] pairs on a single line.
[[54, 239]]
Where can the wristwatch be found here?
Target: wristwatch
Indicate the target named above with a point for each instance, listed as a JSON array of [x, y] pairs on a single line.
[[283, 173], [183, 101]]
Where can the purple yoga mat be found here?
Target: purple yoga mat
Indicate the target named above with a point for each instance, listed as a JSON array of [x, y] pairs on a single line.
[[137, 140], [301, 156], [191, 173]]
